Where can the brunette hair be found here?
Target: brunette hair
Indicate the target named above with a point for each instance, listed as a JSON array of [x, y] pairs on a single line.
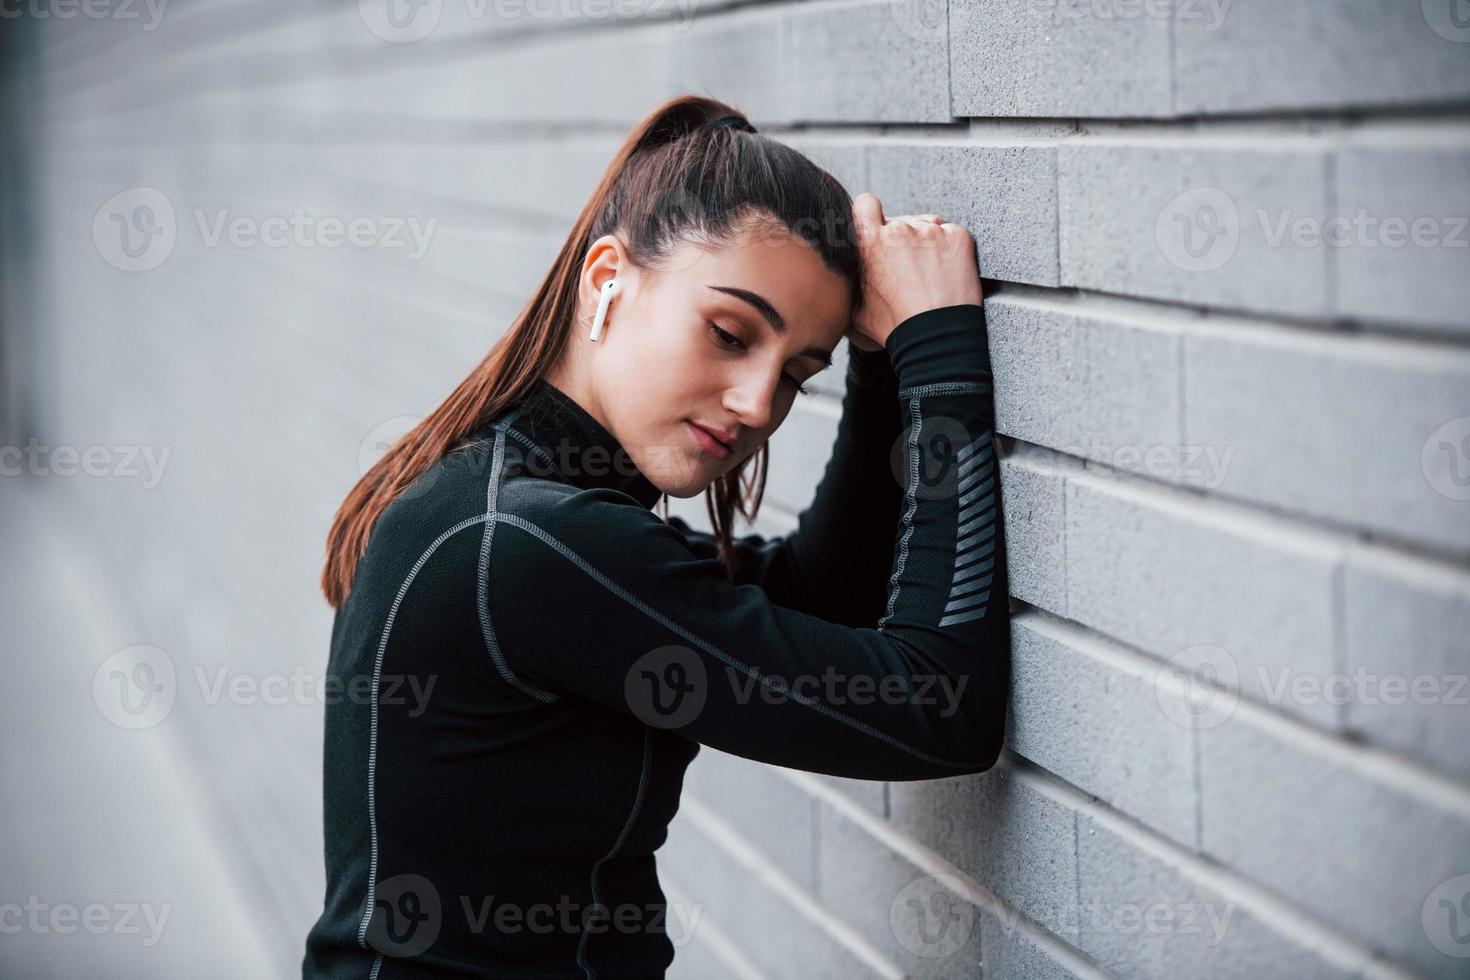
[[676, 178]]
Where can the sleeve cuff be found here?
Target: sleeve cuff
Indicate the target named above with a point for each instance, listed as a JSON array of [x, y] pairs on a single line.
[[948, 343]]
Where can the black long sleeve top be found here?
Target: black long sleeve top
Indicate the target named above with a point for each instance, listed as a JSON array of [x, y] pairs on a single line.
[[529, 659]]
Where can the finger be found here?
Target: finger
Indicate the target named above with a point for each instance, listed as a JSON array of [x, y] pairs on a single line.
[[867, 213]]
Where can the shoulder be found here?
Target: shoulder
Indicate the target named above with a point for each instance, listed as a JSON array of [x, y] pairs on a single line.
[[598, 520], [597, 537]]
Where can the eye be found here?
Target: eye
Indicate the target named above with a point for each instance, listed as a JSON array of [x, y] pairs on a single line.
[[725, 337]]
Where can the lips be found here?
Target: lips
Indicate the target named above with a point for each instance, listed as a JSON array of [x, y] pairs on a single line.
[[711, 442]]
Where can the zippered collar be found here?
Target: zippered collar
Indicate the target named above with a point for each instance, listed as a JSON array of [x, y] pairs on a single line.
[[564, 442]]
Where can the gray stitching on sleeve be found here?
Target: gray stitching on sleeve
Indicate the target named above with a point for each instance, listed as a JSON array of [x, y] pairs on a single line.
[[944, 388], [915, 420], [372, 880], [482, 584], [504, 426]]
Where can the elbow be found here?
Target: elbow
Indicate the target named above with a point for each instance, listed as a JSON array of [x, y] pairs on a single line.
[[985, 711], [989, 743], [979, 741]]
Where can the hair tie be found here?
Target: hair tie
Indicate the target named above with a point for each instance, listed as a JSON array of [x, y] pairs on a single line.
[[739, 122]]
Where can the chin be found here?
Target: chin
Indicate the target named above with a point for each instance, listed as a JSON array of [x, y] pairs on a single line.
[[682, 490]]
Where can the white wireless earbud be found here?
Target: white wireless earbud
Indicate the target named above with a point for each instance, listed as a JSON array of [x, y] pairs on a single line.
[[602, 304]]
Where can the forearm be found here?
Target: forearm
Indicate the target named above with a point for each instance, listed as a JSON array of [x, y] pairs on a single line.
[[843, 545]]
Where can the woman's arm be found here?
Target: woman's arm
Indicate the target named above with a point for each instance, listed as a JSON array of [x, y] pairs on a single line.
[[836, 563], [594, 598]]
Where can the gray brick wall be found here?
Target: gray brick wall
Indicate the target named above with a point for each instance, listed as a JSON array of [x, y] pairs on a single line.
[[1228, 274]]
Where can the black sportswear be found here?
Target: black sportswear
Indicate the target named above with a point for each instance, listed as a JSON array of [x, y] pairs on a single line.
[[537, 657]]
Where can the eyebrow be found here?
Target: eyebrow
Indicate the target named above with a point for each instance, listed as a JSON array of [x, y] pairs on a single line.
[[774, 318]]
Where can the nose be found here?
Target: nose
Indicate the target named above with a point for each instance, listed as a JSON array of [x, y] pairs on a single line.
[[752, 396]]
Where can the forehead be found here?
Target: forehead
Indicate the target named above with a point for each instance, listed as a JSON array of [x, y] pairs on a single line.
[[810, 298]]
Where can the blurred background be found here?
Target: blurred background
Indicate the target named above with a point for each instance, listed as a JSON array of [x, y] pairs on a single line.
[[247, 243]]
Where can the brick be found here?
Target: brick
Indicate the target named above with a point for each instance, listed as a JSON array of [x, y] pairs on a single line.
[[1194, 222], [1093, 717], [877, 61], [1010, 952], [1034, 506], [509, 262], [698, 959], [1164, 573], [1362, 411], [1354, 838], [1083, 378], [1064, 58], [1405, 618], [870, 794], [1015, 834], [739, 60], [1317, 54], [1006, 196], [765, 809], [533, 177], [755, 914], [1147, 911], [1400, 275], [583, 77], [879, 894]]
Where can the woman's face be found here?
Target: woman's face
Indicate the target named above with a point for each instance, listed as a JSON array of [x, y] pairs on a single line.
[[717, 338]]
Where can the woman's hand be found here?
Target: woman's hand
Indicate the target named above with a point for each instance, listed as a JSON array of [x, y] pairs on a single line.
[[912, 263]]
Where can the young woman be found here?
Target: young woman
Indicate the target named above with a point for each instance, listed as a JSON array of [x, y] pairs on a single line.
[[529, 656]]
